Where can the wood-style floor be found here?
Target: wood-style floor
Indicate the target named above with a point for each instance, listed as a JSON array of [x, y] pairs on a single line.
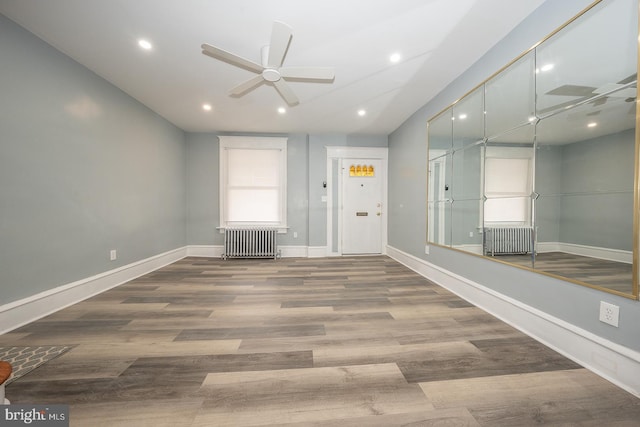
[[608, 274], [353, 341]]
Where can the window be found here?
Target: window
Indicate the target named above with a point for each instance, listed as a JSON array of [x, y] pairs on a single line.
[[508, 186], [253, 178]]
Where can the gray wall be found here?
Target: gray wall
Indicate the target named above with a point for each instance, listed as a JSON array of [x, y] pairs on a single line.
[[407, 222], [467, 194], [548, 183], [306, 171], [605, 164], [203, 178], [407, 199], [84, 169], [203, 215], [595, 173]]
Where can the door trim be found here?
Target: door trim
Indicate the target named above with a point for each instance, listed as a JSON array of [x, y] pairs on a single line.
[[334, 248]]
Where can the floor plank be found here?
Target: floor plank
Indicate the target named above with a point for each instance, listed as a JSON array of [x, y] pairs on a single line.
[[349, 341], [318, 394]]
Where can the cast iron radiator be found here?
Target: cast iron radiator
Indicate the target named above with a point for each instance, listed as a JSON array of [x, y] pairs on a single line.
[[508, 240], [250, 243]]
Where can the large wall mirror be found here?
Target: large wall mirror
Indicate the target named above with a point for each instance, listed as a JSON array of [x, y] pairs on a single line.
[[537, 166]]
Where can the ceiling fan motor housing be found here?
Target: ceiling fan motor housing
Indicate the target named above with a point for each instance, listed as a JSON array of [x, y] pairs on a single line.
[[271, 75]]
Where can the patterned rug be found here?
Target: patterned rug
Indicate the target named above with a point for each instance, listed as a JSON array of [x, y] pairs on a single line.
[[26, 359]]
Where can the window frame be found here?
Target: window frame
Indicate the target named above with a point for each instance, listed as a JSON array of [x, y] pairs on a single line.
[[279, 144], [510, 153]]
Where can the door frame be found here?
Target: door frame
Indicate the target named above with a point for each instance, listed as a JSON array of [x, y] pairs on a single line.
[[334, 191], [433, 192]]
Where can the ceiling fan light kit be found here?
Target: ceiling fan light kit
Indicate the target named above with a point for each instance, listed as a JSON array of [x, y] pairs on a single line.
[[270, 71]]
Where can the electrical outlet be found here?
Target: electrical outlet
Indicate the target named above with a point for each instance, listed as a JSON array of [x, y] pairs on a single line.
[[113, 255], [426, 249], [471, 234], [609, 313], [295, 234]]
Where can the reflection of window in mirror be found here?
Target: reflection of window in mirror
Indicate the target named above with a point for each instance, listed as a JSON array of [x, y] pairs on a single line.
[[508, 186]]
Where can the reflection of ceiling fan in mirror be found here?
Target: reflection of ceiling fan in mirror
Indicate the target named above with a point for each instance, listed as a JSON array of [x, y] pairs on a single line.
[[270, 71], [625, 89]]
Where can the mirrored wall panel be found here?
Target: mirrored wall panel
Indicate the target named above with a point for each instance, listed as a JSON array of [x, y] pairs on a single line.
[[510, 96], [536, 167], [468, 120]]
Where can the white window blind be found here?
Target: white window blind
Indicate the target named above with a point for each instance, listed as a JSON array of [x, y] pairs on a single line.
[[253, 178], [508, 189]]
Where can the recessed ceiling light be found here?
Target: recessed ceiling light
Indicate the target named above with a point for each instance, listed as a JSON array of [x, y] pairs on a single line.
[[592, 124], [206, 107], [282, 110], [396, 57], [362, 113], [546, 67], [144, 44], [462, 116]]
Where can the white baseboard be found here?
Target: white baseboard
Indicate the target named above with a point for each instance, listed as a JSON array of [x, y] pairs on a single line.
[[472, 248], [26, 310], [207, 251], [617, 255], [542, 247], [620, 365], [294, 251], [317, 251]]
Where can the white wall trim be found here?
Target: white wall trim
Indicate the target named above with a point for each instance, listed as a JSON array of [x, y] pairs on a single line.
[[542, 247], [206, 251], [317, 251], [569, 248], [471, 247], [26, 310], [293, 251], [618, 364], [617, 255]]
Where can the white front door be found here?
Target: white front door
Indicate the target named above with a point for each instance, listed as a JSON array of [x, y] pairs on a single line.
[[362, 195]]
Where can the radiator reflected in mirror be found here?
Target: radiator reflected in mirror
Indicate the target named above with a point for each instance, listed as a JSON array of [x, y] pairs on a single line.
[[536, 166]]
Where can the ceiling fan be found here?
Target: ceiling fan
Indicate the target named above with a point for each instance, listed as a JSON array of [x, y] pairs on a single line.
[[625, 89], [270, 71]]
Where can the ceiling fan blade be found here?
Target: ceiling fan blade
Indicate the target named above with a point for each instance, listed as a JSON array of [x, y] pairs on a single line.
[[280, 38], [247, 86], [308, 73], [231, 58], [629, 79], [572, 90], [562, 105], [286, 92], [599, 101]]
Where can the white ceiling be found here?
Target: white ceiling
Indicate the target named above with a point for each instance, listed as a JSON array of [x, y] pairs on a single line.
[[438, 40]]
